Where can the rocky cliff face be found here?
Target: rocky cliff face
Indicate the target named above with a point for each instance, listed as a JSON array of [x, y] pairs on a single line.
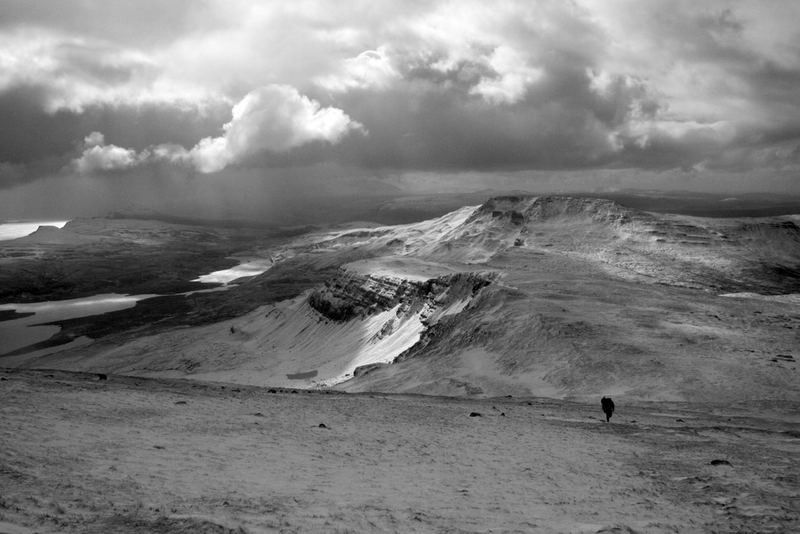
[[352, 295]]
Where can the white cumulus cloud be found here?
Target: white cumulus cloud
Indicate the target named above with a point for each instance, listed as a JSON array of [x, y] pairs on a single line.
[[369, 69], [98, 156], [274, 118], [513, 77]]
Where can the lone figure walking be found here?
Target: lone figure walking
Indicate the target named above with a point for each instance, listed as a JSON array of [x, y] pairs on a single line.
[[608, 407]]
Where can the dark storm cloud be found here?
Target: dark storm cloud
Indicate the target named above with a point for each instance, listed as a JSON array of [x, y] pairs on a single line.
[[434, 130], [434, 120], [11, 175], [668, 152], [236, 88], [34, 134]]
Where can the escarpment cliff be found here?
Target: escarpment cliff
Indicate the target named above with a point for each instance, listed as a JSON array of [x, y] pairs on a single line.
[[350, 295], [356, 320]]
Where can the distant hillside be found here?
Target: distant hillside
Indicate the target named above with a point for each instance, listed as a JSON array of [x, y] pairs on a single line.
[[554, 296]]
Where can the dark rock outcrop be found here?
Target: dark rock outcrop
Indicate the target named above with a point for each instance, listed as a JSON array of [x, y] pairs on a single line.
[[351, 295], [366, 369]]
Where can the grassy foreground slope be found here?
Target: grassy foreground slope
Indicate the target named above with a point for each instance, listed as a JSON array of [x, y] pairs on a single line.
[[134, 455]]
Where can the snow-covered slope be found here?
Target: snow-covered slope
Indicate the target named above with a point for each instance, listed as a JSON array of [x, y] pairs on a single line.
[[718, 254], [318, 339]]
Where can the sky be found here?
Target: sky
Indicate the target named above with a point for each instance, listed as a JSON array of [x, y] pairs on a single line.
[[229, 108]]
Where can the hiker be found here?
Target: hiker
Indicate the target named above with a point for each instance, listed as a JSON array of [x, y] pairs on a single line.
[[608, 407]]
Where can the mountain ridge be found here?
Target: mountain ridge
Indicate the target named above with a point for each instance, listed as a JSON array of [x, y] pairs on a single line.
[[524, 295]]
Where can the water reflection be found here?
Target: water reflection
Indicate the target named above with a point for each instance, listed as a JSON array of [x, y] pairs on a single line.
[[252, 267], [18, 333], [16, 229], [25, 331]]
